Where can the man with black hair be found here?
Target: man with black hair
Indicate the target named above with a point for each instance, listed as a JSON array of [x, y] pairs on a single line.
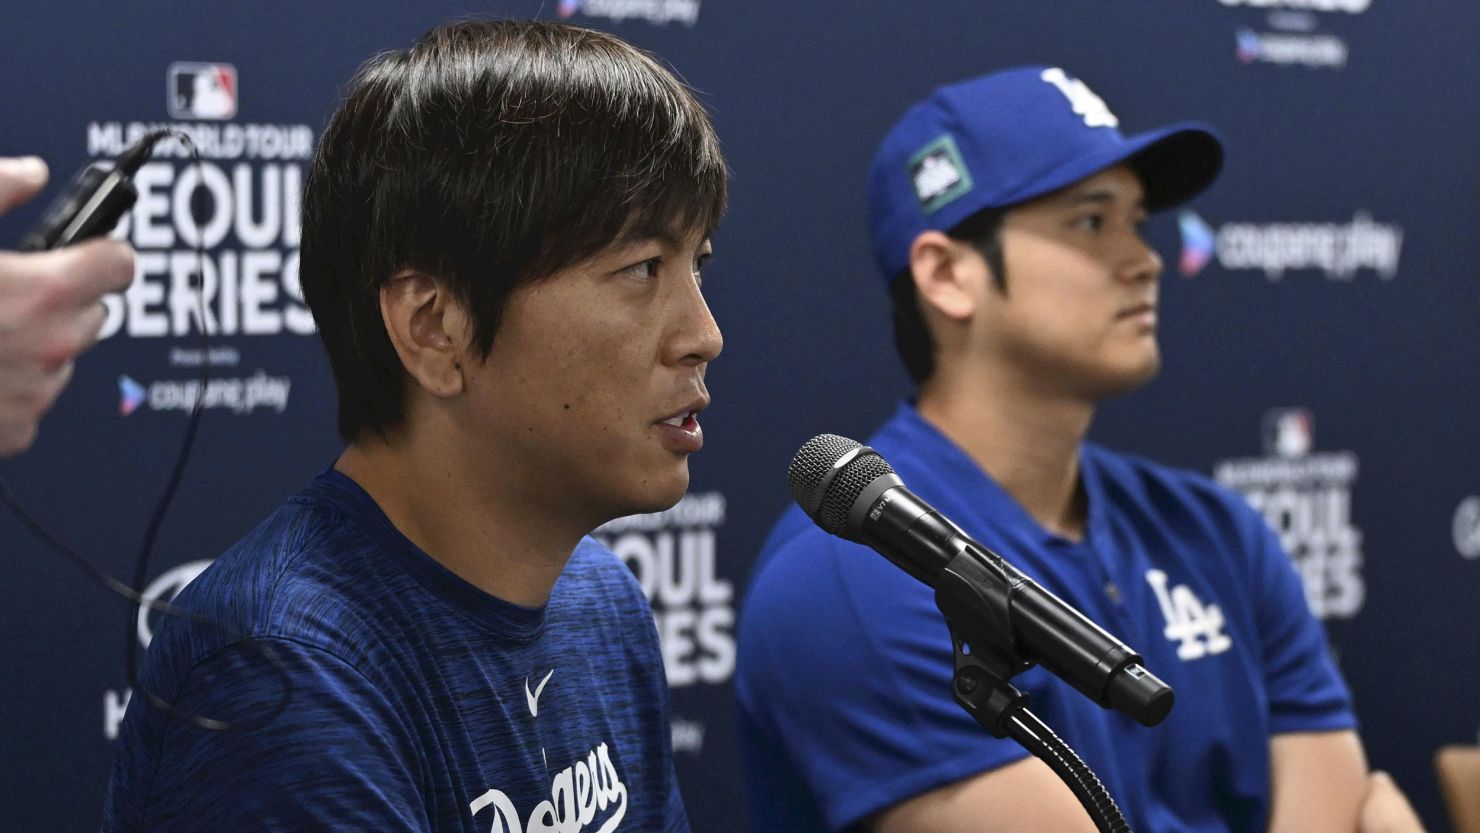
[[503, 233], [1006, 213]]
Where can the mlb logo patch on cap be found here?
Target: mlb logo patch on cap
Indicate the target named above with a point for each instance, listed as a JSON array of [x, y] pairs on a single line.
[[939, 174]]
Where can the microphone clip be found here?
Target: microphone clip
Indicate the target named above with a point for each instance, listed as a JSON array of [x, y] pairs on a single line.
[[989, 698], [974, 593]]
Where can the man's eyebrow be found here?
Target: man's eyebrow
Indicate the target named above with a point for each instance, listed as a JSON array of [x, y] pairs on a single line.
[[638, 236], [1083, 197], [1098, 197], [663, 235]]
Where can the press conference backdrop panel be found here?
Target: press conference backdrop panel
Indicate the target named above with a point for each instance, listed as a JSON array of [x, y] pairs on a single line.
[[1319, 316]]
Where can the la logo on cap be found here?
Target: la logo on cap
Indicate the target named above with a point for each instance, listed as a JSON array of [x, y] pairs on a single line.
[[939, 174], [1093, 109]]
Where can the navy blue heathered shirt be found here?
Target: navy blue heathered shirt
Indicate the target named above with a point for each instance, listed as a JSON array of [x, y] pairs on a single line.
[[419, 702]]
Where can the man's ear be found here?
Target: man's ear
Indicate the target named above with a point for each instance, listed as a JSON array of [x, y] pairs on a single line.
[[429, 330], [945, 276]]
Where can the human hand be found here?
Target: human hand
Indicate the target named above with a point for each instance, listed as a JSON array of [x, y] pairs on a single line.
[[1385, 809], [49, 311]]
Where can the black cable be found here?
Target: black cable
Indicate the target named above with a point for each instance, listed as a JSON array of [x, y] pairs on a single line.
[[126, 164], [139, 600], [187, 444]]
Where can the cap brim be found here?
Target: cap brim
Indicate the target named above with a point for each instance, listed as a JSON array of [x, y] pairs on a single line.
[[1175, 163]]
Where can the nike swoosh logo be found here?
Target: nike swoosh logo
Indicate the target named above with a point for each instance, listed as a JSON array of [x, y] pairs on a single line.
[[534, 699]]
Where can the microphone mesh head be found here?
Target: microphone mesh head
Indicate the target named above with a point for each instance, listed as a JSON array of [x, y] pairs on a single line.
[[845, 489], [812, 463]]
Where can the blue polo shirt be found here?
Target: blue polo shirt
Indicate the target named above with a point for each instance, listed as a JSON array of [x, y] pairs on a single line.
[[844, 663]]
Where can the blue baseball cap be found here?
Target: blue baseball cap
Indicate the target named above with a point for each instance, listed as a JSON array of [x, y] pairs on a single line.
[[1011, 136]]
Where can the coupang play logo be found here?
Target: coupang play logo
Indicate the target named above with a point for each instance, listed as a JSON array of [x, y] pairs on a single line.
[[653, 11], [1348, 6], [1249, 45], [131, 395], [1198, 239], [1290, 34], [1341, 251]]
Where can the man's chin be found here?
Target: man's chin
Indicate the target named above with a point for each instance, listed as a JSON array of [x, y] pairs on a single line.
[[1128, 380], [655, 494], [1146, 373]]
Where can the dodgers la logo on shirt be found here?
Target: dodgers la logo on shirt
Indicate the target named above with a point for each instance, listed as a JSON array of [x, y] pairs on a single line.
[[1198, 626]]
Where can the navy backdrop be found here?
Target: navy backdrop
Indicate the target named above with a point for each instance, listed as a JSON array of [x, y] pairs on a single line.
[[1319, 318]]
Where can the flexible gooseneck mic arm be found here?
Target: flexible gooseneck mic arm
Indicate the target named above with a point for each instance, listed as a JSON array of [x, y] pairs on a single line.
[[1001, 621]]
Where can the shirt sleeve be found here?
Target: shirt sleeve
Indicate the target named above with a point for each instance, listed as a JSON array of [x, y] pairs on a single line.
[[336, 758], [1306, 692], [846, 665]]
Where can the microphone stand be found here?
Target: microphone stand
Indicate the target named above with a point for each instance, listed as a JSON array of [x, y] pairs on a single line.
[[976, 600]]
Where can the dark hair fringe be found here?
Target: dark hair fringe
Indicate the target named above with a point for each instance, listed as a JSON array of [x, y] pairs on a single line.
[[489, 155]]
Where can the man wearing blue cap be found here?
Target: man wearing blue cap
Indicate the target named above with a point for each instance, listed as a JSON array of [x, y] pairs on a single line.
[[1005, 213]]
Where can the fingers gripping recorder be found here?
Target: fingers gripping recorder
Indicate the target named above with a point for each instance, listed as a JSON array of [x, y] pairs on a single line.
[[93, 203], [1001, 621]]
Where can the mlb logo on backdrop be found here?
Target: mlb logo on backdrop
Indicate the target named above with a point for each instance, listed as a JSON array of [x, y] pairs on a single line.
[[1289, 432], [201, 91]]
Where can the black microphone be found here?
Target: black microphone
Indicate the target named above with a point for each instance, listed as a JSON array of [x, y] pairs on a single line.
[[95, 201], [852, 492]]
